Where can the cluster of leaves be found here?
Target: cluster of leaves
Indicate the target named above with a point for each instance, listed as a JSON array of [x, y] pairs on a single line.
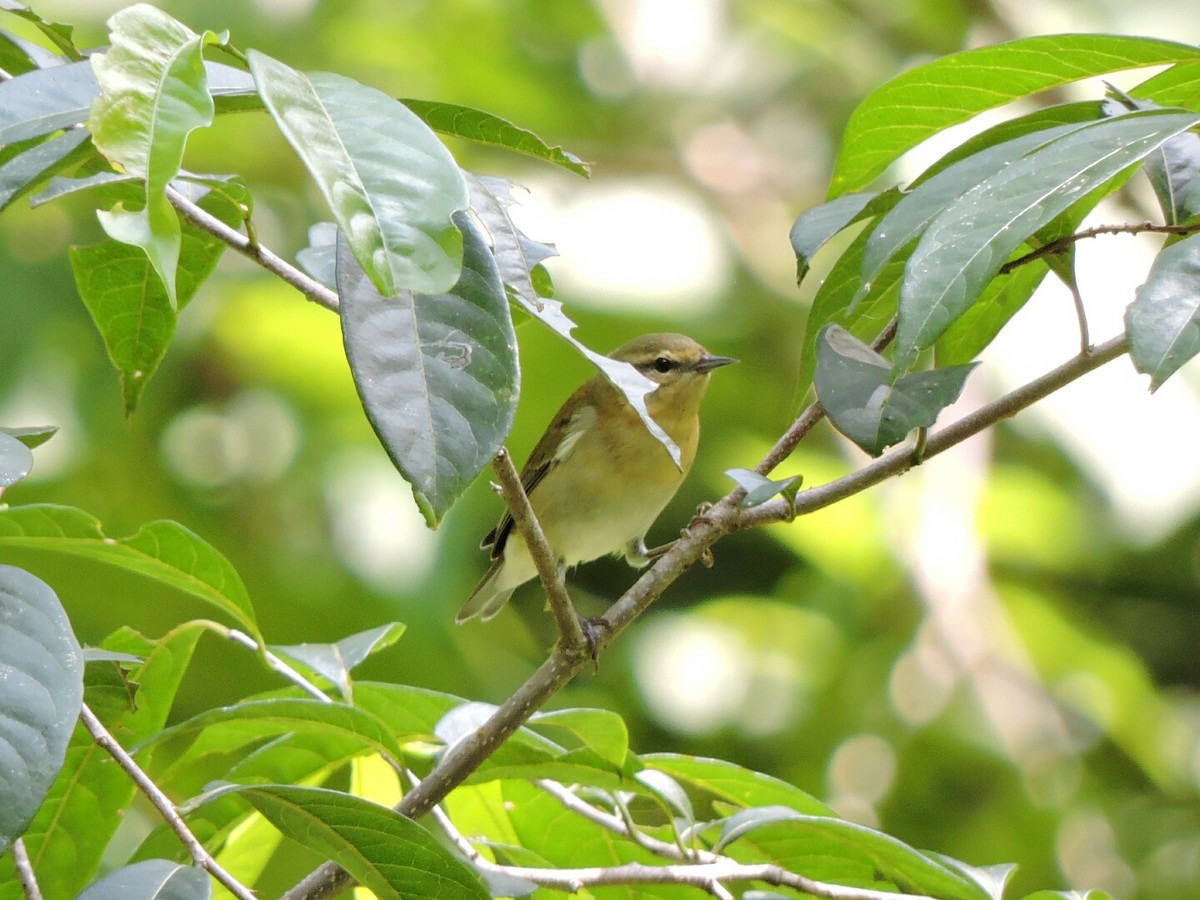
[[426, 264], [953, 256]]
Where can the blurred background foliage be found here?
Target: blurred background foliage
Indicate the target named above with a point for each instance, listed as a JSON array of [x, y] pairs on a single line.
[[994, 657]]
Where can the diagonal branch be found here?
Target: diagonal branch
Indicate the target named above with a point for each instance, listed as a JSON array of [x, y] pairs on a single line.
[[549, 569], [162, 803], [1064, 243]]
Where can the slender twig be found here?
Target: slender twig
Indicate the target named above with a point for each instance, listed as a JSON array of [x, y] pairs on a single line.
[[1063, 243], [162, 803], [549, 569], [465, 756], [309, 287], [278, 665], [618, 825], [1085, 338], [21, 861]]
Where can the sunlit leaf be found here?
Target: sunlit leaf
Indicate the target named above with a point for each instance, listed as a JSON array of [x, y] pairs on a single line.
[[732, 783], [384, 851], [486, 128], [437, 373], [928, 99], [855, 388], [40, 696], [153, 94], [1163, 320], [165, 551], [965, 246], [600, 729], [62, 36], [392, 185]]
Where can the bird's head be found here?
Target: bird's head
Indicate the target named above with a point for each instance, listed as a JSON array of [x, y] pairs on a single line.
[[670, 359]]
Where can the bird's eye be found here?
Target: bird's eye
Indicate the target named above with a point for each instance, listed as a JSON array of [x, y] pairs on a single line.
[[663, 364]]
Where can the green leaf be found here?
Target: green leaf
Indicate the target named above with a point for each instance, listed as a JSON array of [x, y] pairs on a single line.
[[45, 100], [283, 715], [60, 35], [734, 784], [853, 384], [437, 373], [486, 128], [598, 729], [165, 551], [154, 879], [319, 258], [817, 226], [40, 696], [33, 436], [518, 258], [384, 851], [67, 838], [1163, 321], [967, 243], [392, 185], [18, 55], [832, 850], [979, 325], [130, 306], [1173, 170], [759, 488], [334, 662], [928, 99], [16, 460], [153, 94], [21, 173]]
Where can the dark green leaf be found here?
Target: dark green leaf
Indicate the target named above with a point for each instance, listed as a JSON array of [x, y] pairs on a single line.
[[18, 55], [26, 169], [832, 850], [391, 184], [334, 662], [853, 384], [1173, 170], [153, 94], [67, 838], [966, 244], [759, 488], [1163, 321], [164, 551], [16, 460], [731, 783], [437, 373], [40, 696], [61, 187], [384, 851], [486, 128], [154, 879], [979, 325], [130, 306], [33, 436], [815, 227], [930, 98]]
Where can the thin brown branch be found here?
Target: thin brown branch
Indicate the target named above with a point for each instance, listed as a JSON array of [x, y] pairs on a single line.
[[162, 803], [251, 249], [25, 873], [725, 517], [1064, 243], [550, 570]]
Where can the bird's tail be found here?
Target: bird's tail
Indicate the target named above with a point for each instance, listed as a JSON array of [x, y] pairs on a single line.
[[488, 598]]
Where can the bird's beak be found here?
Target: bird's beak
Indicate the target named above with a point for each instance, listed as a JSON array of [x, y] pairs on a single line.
[[707, 362]]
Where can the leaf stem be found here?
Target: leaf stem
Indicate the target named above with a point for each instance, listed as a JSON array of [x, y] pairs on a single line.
[[162, 803]]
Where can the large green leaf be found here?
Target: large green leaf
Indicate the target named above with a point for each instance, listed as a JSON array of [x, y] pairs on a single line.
[[965, 246], [153, 94], [131, 307], [164, 551], [437, 373], [40, 696], [1173, 170], [154, 879], [384, 851], [1163, 321], [487, 128], [839, 852], [392, 185], [855, 388], [928, 99]]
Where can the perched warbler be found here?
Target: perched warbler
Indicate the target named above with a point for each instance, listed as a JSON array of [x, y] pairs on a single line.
[[598, 478]]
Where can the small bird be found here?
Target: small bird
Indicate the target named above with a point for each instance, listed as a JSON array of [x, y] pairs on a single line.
[[598, 478]]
